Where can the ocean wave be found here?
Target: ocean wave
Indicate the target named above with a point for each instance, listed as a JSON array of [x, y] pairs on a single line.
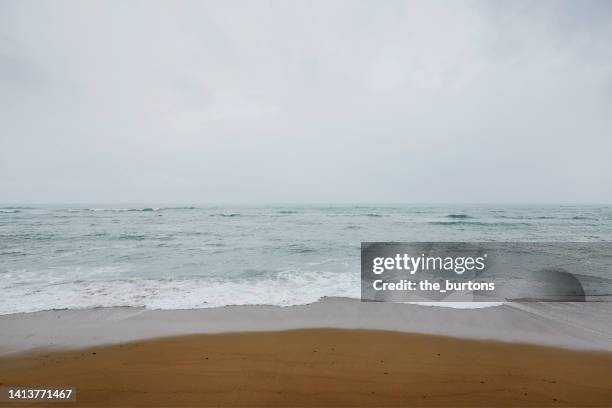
[[301, 249], [30, 236], [14, 252], [119, 210], [97, 234], [134, 237], [459, 216], [79, 210], [479, 223], [525, 217], [285, 289], [353, 227], [9, 210]]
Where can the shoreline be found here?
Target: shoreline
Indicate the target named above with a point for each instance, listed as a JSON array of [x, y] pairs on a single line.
[[580, 326], [319, 367]]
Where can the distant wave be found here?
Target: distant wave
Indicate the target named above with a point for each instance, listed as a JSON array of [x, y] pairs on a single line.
[[300, 249], [135, 209], [523, 217], [76, 210], [135, 237], [97, 234], [544, 217], [9, 210], [286, 212], [225, 215], [13, 253], [348, 214], [459, 216], [477, 223]]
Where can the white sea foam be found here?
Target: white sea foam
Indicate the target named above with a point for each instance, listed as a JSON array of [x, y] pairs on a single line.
[[290, 288]]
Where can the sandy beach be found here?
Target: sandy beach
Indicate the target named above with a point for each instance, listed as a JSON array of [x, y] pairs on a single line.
[[320, 367], [337, 352]]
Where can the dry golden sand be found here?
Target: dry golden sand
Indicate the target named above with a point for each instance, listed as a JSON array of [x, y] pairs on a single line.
[[320, 367]]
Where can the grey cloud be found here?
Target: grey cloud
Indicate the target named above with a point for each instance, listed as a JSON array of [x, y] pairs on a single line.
[[289, 101]]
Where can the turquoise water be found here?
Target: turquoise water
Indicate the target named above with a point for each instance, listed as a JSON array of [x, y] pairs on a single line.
[[191, 257]]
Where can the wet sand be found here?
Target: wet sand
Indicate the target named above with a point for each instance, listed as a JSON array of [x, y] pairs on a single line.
[[319, 367], [583, 326]]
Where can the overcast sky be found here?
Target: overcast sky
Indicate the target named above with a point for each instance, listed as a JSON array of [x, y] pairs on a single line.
[[305, 101]]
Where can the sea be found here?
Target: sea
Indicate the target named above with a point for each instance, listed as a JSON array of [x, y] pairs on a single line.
[[187, 257]]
